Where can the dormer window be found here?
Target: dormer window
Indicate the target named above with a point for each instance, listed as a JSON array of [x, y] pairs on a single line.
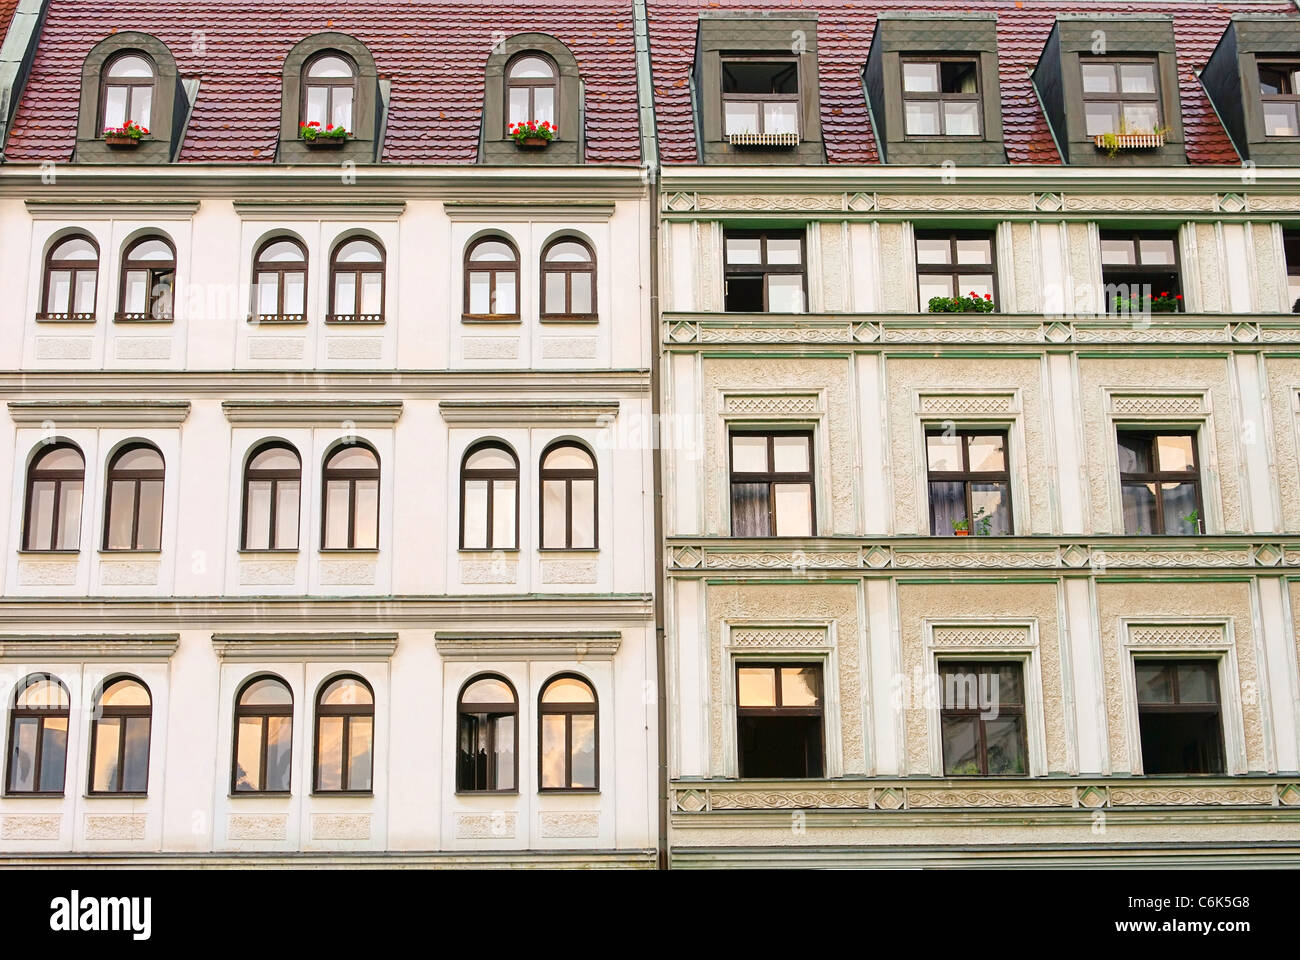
[[760, 95], [1120, 96], [1279, 93], [329, 90], [941, 97], [531, 90], [128, 91]]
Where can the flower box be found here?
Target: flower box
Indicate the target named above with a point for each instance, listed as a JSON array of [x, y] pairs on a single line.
[[763, 139], [533, 143], [1112, 143], [324, 143], [121, 140], [529, 135]]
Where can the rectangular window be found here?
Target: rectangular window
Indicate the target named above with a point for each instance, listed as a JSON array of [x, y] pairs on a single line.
[[1279, 94], [941, 98], [1179, 716], [1160, 483], [1120, 96], [983, 719], [1291, 244], [772, 485], [760, 95], [1139, 272], [970, 483], [764, 271], [954, 264], [779, 720]]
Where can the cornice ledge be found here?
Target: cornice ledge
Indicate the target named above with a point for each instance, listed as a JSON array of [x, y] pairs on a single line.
[[121, 412], [302, 646], [135, 646], [319, 412], [535, 412], [528, 645], [582, 211], [280, 210], [98, 208]]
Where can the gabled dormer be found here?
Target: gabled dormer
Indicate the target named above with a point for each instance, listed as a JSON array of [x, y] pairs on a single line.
[[1253, 80]]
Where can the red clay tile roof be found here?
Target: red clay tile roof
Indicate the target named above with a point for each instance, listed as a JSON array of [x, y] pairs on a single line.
[[844, 32], [434, 52]]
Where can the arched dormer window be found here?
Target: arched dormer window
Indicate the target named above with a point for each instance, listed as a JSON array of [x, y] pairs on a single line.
[[130, 77], [128, 91], [532, 76], [330, 79], [329, 90], [532, 89]]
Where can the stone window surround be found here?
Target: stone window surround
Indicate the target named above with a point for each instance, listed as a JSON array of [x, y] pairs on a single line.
[[824, 654], [1168, 639], [168, 112], [1126, 408], [813, 418], [496, 146], [368, 110], [976, 408], [993, 645]]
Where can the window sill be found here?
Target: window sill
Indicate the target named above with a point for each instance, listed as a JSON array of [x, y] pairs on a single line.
[[566, 792], [327, 794], [72, 318], [251, 552], [49, 553], [490, 318], [106, 552], [560, 318], [261, 795], [277, 320], [553, 551], [141, 319], [349, 551], [487, 553], [355, 319], [116, 796], [33, 795], [487, 793]]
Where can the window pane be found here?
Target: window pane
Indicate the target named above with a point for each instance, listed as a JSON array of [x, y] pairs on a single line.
[[987, 453], [149, 531], [931, 286], [1137, 77], [553, 751], [1174, 453], [286, 515], [372, 293], [1180, 503], [920, 77], [136, 291], [921, 117], [345, 293], [295, 293], [517, 111], [336, 514], [543, 104], [329, 754], [781, 117], [1118, 251], [581, 287], [135, 775], [958, 76], [975, 284], [268, 293], [740, 116], [749, 516], [757, 686], [345, 691], [1099, 78], [584, 513], [568, 690], [503, 514], [115, 106], [784, 251], [257, 515], [366, 521], [1141, 117], [341, 104], [748, 453], [475, 513], [1197, 683], [1139, 500], [22, 757], [790, 454], [54, 753], [505, 302], [741, 76], [107, 731], [801, 686], [793, 509], [1134, 454], [555, 293], [744, 250], [974, 250], [1280, 119], [1155, 682], [69, 516], [1006, 750], [947, 503], [785, 294], [505, 753], [279, 742], [933, 250], [961, 746], [121, 499], [361, 738], [553, 513], [488, 690], [317, 99], [479, 289], [60, 291], [1101, 117], [248, 754], [584, 751], [943, 452], [85, 285], [961, 118], [994, 499], [141, 104]]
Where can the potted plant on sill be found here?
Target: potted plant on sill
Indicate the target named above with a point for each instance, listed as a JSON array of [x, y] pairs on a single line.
[[127, 135], [318, 137], [1149, 303], [972, 303], [1127, 139], [530, 135], [983, 522]]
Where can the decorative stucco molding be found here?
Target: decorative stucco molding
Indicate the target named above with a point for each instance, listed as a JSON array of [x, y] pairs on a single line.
[[284, 211], [528, 645], [136, 646], [982, 635], [117, 413], [303, 646], [772, 405], [323, 413], [777, 636], [591, 413]]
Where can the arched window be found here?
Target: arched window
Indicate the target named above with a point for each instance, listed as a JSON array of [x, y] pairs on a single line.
[[531, 90], [569, 280], [54, 484], [127, 91], [119, 744], [487, 735], [350, 519], [489, 498], [71, 278], [568, 747], [357, 282], [263, 737], [272, 493], [38, 736], [329, 89], [148, 280], [280, 280], [133, 507], [568, 498], [345, 734], [492, 279]]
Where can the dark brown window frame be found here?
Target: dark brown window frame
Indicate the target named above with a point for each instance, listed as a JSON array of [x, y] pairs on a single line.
[[967, 477], [976, 713], [328, 474], [779, 710], [531, 84], [1119, 97], [275, 478], [771, 476], [358, 270], [941, 98], [569, 711], [1140, 269], [40, 714], [245, 711], [763, 268], [1292, 267], [154, 268], [567, 476], [954, 269], [59, 477], [101, 711], [73, 267], [491, 476], [347, 711], [131, 83], [1158, 477], [567, 270], [1293, 97], [280, 269], [115, 474], [492, 268], [1177, 706], [492, 711], [796, 98], [330, 83]]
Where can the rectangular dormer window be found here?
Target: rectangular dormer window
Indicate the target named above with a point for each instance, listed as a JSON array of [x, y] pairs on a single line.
[[760, 95], [1279, 94], [1120, 96], [941, 97]]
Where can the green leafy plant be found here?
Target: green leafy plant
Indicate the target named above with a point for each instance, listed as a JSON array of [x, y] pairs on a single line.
[[531, 130], [961, 526], [983, 523], [1112, 142], [312, 130], [1149, 303], [973, 303], [1192, 519], [129, 129]]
